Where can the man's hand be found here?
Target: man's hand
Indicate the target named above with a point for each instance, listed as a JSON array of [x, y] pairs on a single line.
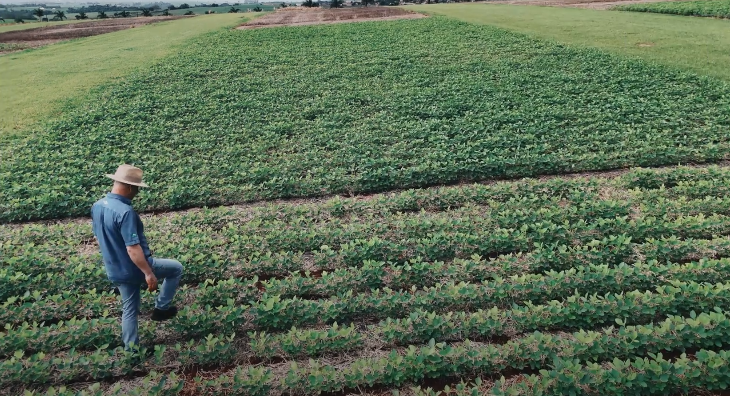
[[151, 280], [138, 258]]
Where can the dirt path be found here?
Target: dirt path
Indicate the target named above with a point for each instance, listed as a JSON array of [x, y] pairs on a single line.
[[37, 37], [300, 16]]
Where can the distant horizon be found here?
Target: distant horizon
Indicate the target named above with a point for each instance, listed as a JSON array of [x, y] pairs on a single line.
[[120, 2]]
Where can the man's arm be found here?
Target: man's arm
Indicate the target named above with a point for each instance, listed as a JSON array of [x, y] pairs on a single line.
[[137, 255]]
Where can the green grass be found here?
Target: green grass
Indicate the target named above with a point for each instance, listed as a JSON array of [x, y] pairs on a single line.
[[36, 84], [237, 116], [700, 45]]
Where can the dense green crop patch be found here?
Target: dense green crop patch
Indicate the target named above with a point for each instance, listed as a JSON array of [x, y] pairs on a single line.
[[248, 115], [701, 8]]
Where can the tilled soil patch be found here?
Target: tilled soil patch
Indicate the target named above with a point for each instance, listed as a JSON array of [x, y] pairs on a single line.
[[37, 37], [298, 16]]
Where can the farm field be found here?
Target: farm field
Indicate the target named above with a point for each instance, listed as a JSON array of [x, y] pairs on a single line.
[[223, 10], [234, 117], [700, 8], [9, 26], [626, 270], [698, 45], [84, 64], [333, 192]]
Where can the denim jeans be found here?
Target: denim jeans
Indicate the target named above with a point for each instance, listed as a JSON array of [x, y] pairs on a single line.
[[167, 269]]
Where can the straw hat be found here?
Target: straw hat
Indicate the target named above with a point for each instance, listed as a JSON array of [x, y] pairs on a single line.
[[128, 174]]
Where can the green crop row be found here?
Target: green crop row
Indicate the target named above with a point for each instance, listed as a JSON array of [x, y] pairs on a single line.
[[459, 237], [573, 312], [438, 360], [107, 362], [273, 312], [396, 112], [153, 384], [707, 370], [79, 334], [704, 371], [655, 178], [62, 239], [701, 8]]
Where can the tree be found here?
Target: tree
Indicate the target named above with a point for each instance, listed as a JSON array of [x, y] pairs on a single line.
[[234, 10], [101, 15], [257, 9], [82, 15], [146, 12], [283, 5], [336, 3], [366, 2], [189, 13], [166, 13], [183, 6], [124, 14], [19, 20], [60, 15], [308, 3], [39, 12]]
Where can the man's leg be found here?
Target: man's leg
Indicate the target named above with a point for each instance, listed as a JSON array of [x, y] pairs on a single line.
[[171, 271], [130, 313]]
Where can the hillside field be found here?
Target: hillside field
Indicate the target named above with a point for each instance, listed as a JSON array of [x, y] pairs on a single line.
[[416, 207]]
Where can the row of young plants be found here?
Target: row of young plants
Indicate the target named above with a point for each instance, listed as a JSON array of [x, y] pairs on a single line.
[[655, 178], [290, 235], [375, 275], [701, 8], [108, 362], [28, 257], [468, 359], [79, 334], [574, 312], [62, 239], [703, 371], [21, 247], [396, 129], [436, 246], [65, 236], [153, 384], [272, 312]]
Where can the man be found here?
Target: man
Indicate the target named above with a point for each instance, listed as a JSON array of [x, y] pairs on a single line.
[[127, 258]]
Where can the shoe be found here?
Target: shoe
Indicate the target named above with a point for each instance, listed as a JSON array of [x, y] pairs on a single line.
[[160, 315]]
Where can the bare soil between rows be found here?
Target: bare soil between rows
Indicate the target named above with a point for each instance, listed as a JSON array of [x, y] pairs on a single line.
[[300, 16], [38, 37]]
